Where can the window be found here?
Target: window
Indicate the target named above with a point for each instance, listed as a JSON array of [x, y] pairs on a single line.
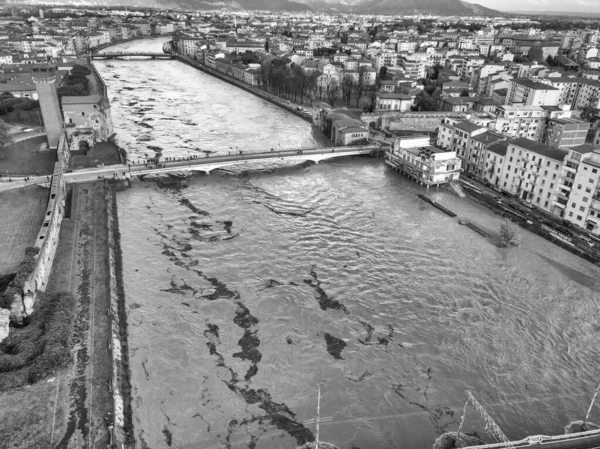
[[594, 170], [510, 160], [581, 208], [573, 205], [579, 217], [591, 181], [588, 190], [557, 167], [551, 185], [537, 201], [546, 204], [579, 186], [545, 172], [585, 199], [548, 196], [570, 214]]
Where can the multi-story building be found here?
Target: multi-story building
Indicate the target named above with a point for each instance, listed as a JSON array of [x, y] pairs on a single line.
[[531, 93], [91, 112], [526, 121], [415, 65], [393, 102], [531, 171], [565, 132], [426, 164], [492, 162], [577, 198]]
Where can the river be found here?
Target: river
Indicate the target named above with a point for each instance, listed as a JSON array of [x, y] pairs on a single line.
[[248, 290]]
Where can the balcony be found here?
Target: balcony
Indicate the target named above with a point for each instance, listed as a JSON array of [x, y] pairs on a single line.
[[571, 165], [595, 205]]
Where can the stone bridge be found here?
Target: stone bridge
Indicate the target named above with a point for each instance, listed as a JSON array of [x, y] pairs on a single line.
[[209, 163]]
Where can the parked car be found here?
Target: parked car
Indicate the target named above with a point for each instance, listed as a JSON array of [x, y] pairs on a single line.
[[567, 223]]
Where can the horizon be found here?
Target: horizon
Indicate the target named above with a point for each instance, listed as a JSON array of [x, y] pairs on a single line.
[[543, 6]]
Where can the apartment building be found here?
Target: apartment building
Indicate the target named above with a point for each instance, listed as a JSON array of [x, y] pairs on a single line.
[[531, 93], [577, 197], [565, 132], [531, 171]]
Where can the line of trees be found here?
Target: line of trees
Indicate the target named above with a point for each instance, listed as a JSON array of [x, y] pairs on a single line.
[[291, 81]]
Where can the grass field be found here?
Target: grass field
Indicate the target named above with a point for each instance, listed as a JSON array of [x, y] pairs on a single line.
[[21, 215], [24, 158], [28, 414], [102, 153]]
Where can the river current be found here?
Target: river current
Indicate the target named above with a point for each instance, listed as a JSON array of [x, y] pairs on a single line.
[[247, 290]]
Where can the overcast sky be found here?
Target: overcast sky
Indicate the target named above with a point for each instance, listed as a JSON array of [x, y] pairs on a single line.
[[542, 5]]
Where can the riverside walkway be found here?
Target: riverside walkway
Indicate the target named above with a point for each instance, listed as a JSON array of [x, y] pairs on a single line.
[[204, 164]]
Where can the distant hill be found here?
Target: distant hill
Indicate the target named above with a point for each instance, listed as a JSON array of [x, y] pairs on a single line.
[[435, 7]]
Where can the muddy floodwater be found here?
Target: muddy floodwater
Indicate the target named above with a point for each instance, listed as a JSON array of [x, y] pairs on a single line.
[[248, 289]]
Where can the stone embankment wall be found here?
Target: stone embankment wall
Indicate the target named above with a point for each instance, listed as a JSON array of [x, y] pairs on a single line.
[[120, 385], [46, 240], [95, 74], [242, 85]]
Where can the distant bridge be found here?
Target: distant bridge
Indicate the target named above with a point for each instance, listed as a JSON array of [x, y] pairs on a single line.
[[124, 54]]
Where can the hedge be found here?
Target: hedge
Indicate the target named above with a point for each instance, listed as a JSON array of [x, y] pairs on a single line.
[[32, 353], [24, 271]]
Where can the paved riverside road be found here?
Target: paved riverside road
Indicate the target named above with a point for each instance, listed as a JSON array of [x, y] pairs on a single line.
[[205, 164]]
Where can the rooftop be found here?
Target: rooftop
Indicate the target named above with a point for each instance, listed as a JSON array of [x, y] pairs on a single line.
[[468, 126], [532, 84], [499, 148], [539, 148], [586, 148]]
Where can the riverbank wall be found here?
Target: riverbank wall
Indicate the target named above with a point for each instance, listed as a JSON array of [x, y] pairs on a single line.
[[120, 384], [242, 85], [28, 284]]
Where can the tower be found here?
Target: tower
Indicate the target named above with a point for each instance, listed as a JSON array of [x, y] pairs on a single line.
[[45, 85]]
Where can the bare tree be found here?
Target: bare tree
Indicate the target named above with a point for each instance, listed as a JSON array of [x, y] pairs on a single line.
[[332, 91], [347, 88]]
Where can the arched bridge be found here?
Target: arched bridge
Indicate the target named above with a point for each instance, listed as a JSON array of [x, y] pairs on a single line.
[[122, 54], [209, 163]]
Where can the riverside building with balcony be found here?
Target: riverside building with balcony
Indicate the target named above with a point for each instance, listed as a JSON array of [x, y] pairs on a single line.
[[426, 164]]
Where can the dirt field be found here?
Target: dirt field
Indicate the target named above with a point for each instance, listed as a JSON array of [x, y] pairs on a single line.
[[24, 158], [21, 215], [70, 411]]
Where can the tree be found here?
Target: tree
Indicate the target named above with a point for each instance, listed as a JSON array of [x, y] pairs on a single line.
[[332, 91], [465, 93], [347, 88], [588, 113], [425, 102], [5, 138], [536, 53], [551, 61]]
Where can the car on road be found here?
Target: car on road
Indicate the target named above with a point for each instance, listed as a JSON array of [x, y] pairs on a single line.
[[567, 223]]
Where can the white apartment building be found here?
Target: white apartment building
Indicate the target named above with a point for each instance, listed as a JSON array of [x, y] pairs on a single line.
[[531, 171], [578, 197], [531, 93]]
